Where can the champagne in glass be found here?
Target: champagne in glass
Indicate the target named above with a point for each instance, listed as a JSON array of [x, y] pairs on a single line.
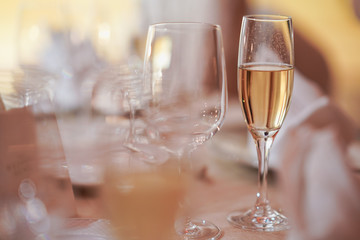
[[265, 83], [265, 92]]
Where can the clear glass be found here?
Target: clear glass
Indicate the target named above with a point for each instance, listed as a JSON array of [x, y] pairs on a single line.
[[117, 93], [186, 92], [41, 44], [53, 38], [265, 83], [142, 199]]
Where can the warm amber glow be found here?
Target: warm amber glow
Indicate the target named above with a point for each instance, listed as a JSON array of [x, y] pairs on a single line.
[[161, 52], [8, 13], [82, 17], [104, 32]]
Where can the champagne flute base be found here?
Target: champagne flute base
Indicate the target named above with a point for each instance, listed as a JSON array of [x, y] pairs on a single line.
[[259, 220], [201, 230]]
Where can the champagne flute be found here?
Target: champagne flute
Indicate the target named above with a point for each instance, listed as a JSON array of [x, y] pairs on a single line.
[[265, 83], [186, 85]]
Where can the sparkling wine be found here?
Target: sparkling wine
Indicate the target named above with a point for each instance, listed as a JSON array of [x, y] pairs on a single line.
[[143, 205], [264, 93]]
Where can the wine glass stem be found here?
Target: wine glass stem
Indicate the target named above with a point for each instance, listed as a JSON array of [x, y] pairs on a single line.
[[263, 146], [132, 123], [131, 136]]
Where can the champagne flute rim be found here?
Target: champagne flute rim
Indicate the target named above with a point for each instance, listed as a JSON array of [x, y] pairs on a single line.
[[267, 17], [205, 24]]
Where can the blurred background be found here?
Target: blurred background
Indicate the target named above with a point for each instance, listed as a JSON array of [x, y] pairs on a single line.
[[327, 34]]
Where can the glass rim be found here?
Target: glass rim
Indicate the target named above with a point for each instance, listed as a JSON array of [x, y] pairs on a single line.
[[205, 24], [267, 17]]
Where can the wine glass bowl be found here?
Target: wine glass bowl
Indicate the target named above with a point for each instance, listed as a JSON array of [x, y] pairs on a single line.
[[117, 91], [265, 83], [186, 80]]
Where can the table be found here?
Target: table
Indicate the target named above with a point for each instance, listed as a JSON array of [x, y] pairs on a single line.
[[223, 185]]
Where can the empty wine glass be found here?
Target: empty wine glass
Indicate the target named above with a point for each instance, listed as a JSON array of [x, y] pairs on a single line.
[[118, 89], [118, 97], [117, 92], [186, 85], [265, 83], [46, 43]]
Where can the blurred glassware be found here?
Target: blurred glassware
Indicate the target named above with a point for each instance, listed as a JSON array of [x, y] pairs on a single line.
[[186, 94], [42, 45], [18, 90], [85, 229], [51, 40], [115, 33], [40, 27], [84, 61], [142, 199], [86, 141], [118, 92], [26, 217], [119, 100], [44, 195]]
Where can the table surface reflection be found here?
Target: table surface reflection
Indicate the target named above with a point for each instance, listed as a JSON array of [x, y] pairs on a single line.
[[223, 185]]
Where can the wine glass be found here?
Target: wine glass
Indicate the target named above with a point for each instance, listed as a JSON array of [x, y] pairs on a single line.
[[265, 83], [118, 89], [118, 98], [185, 81], [47, 42], [117, 92]]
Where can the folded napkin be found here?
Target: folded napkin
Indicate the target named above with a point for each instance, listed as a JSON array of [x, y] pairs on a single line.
[[307, 98], [320, 187]]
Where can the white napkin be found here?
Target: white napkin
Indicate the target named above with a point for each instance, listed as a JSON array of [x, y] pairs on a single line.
[[321, 189], [307, 98]]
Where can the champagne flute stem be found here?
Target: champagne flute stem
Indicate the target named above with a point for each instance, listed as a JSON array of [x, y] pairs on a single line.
[[263, 146]]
